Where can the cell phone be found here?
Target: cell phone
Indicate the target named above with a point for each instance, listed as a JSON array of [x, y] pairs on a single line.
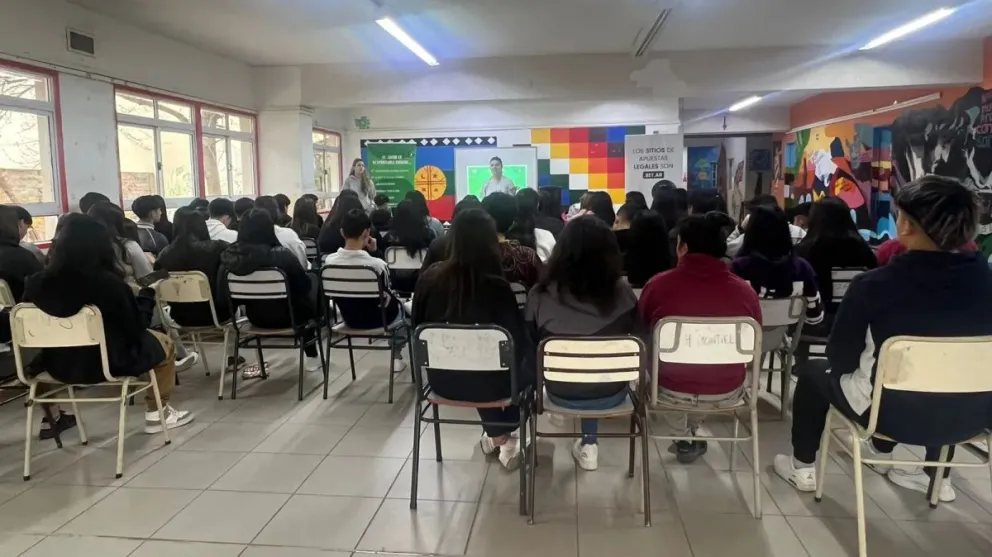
[[152, 277]]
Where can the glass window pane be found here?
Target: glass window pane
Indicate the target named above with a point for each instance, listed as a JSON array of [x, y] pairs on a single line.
[[318, 138], [332, 167], [215, 165], [333, 140], [326, 139], [42, 228], [137, 153], [135, 105], [319, 181], [242, 167], [175, 112], [22, 85], [177, 164], [26, 173], [240, 123], [213, 119]]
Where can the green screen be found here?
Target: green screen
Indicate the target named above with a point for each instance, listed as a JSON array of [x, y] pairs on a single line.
[[479, 175]]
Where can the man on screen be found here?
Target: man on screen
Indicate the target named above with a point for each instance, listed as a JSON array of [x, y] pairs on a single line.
[[497, 182]]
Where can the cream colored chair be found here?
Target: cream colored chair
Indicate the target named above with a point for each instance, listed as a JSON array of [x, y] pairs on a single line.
[[192, 287], [33, 328], [782, 325], [708, 341], [6, 296], [399, 259], [520, 293], [919, 365]]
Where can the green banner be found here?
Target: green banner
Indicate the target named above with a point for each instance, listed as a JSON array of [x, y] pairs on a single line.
[[392, 167]]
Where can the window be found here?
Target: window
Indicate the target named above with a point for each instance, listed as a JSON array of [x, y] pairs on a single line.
[[155, 144], [327, 166], [228, 147], [29, 168]]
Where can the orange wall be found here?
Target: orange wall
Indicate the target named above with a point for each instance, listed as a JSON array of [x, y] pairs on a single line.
[[987, 68], [833, 105]]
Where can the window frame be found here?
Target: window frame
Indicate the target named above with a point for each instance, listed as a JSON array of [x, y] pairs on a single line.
[[323, 149], [198, 132], [52, 109]]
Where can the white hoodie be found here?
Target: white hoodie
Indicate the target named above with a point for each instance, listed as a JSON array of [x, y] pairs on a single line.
[[218, 231]]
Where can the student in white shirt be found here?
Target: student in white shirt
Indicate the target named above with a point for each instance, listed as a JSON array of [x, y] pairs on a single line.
[[497, 182], [286, 236], [736, 238], [221, 216]]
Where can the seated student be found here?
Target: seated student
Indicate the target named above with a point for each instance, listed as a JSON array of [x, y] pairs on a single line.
[[222, 215], [16, 263], [83, 270], [200, 205], [832, 241], [330, 239], [601, 205], [306, 219], [438, 249], [621, 227], [282, 202], [131, 258], [382, 217], [636, 201], [286, 236], [316, 203], [148, 213], [648, 250], [583, 293], [889, 249], [701, 285], [933, 290], [420, 205], [705, 201], [524, 228], [257, 248], [799, 215], [736, 238], [767, 261], [520, 263], [667, 202], [468, 288], [90, 199], [241, 206], [162, 225], [24, 222], [410, 233], [549, 211]]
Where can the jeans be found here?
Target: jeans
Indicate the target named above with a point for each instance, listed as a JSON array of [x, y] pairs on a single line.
[[590, 426], [687, 423]]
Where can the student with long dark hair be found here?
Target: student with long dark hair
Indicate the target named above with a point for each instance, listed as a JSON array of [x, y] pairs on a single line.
[[420, 205], [316, 203], [438, 248], [282, 202], [83, 270], [736, 238], [582, 293], [636, 201], [468, 288], [330, 239], [131, 258], [409, 232], [549, 211], [520, 263], [524, 229], [600, 204], [648, 249], [287, 237], [306, 220]]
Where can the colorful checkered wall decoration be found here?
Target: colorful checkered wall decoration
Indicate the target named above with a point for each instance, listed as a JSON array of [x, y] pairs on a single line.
[[581, 159]]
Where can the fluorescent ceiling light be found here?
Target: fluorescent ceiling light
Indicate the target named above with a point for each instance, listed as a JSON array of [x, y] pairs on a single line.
[[400, 35], [912, 26], [740, 105]]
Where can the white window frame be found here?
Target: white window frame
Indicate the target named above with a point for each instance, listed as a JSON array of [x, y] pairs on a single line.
[[47, 109], [320, 192], [157, 125], [228, 135]]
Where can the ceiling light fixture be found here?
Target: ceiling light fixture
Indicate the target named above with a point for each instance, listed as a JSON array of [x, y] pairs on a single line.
[[912, 26], [406, 40], [741, 105]]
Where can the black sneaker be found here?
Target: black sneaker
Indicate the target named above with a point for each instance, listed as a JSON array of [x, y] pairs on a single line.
[[63, 423], [230, 364], [687, 452]]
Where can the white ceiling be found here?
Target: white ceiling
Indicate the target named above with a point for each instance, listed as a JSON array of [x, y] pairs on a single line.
[[291, 32]]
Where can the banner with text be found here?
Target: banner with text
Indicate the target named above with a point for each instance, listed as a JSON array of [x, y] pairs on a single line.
[[651, 159], [392, 166]]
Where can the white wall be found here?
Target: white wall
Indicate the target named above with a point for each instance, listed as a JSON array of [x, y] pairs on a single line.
[[736, 148], [89, 138], [286, 152]]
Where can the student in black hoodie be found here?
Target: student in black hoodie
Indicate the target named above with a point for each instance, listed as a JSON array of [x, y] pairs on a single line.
[[258, 248], [147, 210], [583, 293], [933, 290], [82, 271], [16, 263], [193, 250]]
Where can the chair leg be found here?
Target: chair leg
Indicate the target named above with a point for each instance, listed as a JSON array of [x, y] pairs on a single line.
[[351, 358], [523, 458], [28, 430], [392, 368], [261, 357], [234, 374], [633, 446], [79, 418], [223, 364], [325, 363], [532, 461], [121, 424], [416, 456], [786, 379], [821, 472], [300, 386], [198, 346], [733, 445], [645, 470], [859, 498], [437, 433], [755, 456], [161, 407], [946, 455], [409, 349]]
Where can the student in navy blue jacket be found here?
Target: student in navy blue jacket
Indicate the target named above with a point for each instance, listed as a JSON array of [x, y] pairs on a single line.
[[933, 290]]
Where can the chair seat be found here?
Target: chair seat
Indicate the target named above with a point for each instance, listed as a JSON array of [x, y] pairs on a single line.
[[343, 329], [661, 407], [981, 438], [441, 401], [625, 408]]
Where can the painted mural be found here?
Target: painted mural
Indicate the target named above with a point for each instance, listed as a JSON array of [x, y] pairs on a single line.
[[701, 169], [863, 163]]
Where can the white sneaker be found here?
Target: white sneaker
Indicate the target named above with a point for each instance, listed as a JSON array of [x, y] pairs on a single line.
[[917, 480], [486, 444], [803, 479], [868, 450], [399, 365], [173, 419], [189, 361], [312, 363], [509, 452], [586, 456]]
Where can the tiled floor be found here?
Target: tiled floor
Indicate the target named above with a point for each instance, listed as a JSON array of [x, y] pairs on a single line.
[[265, 476]]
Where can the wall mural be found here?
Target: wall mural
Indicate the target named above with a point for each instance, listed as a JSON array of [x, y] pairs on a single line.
[[702, 167]]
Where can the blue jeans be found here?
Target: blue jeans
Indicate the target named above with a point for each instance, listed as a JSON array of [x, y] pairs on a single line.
[[590, 426]]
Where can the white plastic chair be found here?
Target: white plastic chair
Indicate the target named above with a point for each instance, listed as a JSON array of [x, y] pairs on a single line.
[[709, 341], [520, 293], [6, 296], [33, 328], [399, 259], [312, 251], [920, 365], [779, 343]]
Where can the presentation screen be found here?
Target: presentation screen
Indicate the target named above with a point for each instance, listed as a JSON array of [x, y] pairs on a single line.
[[474, 173]]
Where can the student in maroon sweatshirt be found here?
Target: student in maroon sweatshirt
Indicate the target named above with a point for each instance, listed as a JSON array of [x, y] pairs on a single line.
[[701, 285]]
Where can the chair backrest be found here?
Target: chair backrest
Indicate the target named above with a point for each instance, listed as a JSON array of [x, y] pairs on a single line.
[[398, 257], [263, 284], [31, 327], [351, 281], [841, 278], [186, 287], [932, 365], [463, 348], [311, 248], [706, 341], [637, 292], [6, 296], [520, 293], [781, 312], [591, 359]]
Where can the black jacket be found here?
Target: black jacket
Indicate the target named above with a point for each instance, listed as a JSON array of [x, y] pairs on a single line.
[[496, 305], [151, 240], [131, 349], [196, 256], [551, 224], [244, 259], [308, 231], [16, 265], [824, 254]]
